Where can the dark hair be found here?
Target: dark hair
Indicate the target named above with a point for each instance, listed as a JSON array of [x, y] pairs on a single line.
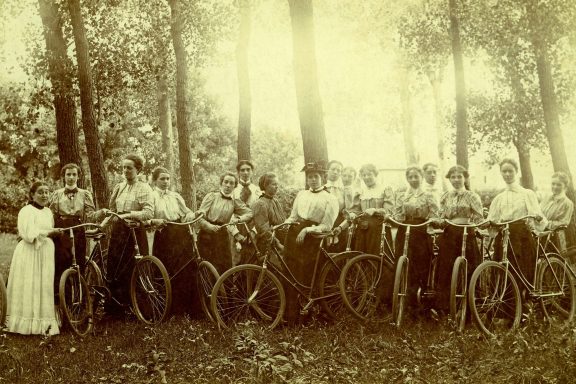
[[369, 168], [512, 162], [414, 168], [460, 169], [34, 187], [137, 160], [428, 165], [228, 173], [563, 177], [244, 162], [157, 171], [70, 166], [334, 162], [265, 180]]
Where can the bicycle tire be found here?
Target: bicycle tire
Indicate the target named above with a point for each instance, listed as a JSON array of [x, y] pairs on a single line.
[[93, 275], [459, 292], [400, 292], [248, 293], [76, 301], [328, 284], [207, 277], [150, 290], [554, 278], [359, 290], [494, 299], [3, 301]]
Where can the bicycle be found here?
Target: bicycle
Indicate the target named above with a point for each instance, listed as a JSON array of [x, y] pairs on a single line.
[[361, 279], [250, 291], [207, 273], [494, 294], [400, 290]]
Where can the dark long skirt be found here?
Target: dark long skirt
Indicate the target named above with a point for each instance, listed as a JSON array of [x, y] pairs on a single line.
[[173, 245], [63, 247], [369, 237], [121, 259], [450, 249], [301, 260], [523, 257], [340, 246], [215, 248], [419, 254]]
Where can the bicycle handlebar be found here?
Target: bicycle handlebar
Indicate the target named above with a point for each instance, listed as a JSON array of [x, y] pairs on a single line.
[[95, 225], [186, 222], [427, 222], [283, 225], [514, 221], [472, 225]]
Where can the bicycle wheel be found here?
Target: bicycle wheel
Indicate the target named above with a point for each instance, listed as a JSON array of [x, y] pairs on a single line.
[[248, 292], [207, 277], [150, 290], [333, 306], [93, 274], [556, 287], [361, 289], [3, 301], [76, 301], [458, 292], [400, 293], [494, 299], [99, 257]]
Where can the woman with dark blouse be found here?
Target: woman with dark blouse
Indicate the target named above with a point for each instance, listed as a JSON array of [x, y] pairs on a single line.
[[460, 206], [558, 208]]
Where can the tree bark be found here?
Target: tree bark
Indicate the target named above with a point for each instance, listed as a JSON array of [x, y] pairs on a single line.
[[185, 155], [435, 78], [306, 81], [95, 157], [165, 122], [460, 84], [523, 150], [412, 157], [244, 93], [59, 73]]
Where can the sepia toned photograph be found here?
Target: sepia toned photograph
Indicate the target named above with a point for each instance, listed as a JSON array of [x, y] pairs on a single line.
[[287, 191]]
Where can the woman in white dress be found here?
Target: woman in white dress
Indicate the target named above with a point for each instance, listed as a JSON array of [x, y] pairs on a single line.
[[30, 289]]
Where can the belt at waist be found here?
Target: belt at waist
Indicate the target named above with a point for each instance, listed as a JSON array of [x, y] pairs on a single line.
[[215, 222]]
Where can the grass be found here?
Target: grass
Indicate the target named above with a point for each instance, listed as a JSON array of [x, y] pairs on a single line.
[[184, 350], [7, 245]]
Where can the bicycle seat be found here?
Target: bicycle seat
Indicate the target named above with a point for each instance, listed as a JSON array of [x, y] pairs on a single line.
[[95, 234], [132, 224]]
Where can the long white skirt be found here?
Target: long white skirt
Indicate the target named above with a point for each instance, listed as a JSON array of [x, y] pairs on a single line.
[[30, 291]]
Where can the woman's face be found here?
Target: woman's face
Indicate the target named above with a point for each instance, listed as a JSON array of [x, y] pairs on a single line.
[[163, 181], [348, 177], [369, 178], [457, 180], [414, 178], [245, 173], [272, 187], [557, 186], [334, 172], [314, 180], [508, 173], [71, 177], [129, 170], [41, 196], [228, 184]]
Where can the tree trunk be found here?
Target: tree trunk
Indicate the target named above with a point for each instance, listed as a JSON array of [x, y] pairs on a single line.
[[523, 150], [461, 118], [553, 130], [244, 93], [165, 122], [306, 81], [185, 155], [95, 157], [435, 78], [59, 72], [412, 157]]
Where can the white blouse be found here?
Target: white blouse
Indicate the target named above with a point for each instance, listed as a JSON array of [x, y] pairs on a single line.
[[319, 207]]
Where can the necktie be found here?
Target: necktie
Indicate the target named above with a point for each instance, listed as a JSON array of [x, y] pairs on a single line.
[[245, 193], [70, 193]]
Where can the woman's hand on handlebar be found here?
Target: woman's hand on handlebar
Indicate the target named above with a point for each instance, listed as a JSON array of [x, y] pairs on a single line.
[[301, 236]]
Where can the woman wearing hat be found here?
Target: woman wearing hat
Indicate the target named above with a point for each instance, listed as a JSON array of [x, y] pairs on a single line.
[[315, 210]]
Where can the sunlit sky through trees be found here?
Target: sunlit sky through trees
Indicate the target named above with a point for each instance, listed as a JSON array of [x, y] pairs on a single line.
[[358, 74]]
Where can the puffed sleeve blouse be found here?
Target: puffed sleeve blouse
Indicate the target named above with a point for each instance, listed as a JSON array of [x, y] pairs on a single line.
[[557, 209], [169, 205], [318, 206], [135, 198], [415, 204], [79, 203], [378, 197], [218, 209], [462, 205], [513, 203]]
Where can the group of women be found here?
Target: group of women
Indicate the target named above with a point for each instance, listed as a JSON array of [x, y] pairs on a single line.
[[331, 202]]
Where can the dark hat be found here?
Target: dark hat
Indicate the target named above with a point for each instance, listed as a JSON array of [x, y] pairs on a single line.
[[316, 166]]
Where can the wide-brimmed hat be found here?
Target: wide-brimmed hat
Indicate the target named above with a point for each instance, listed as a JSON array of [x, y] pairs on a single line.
[[315, 166]]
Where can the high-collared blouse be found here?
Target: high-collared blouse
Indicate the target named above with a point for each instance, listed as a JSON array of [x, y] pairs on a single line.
[[557, 209], [337, 189], [513, 203], [379, 197], [415, 204], [434, 190], [219, 208], [254, 195], [351, 197], [267, 213], [135, 198], [80, 203], [461, 204], [169, 205], [318, 206]]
